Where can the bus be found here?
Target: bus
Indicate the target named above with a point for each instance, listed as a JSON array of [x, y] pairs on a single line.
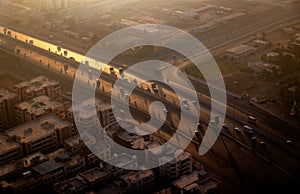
[[251, 119]]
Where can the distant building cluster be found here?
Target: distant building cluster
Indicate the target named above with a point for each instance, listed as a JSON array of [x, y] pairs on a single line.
[[41, 150]]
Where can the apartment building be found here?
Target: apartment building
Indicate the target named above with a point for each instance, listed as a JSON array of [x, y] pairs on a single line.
[[96, 177], [195, 183], [138, 182], [86, 115], [119, 163], [49, 172], [38, 107], [8, 100], [76, 145], [9, 150], [37, 87], [174, 168], [45, 133], [75, 185]]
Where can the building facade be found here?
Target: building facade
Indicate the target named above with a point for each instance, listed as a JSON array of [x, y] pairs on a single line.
[[38, 107], [45, 133], [37, 87], [8, 100]]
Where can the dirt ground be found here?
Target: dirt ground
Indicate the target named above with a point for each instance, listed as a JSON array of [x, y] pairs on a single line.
[[8, 80]]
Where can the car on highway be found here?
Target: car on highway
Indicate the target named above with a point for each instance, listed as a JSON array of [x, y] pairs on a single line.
[[122, 92], [289, 142], [185, 104], [225, 126], [248, 129], [254, 140], [165, 111], [212, 123], [263, 144], [251, 119], [126, 97], [154, 87], [237, 129]]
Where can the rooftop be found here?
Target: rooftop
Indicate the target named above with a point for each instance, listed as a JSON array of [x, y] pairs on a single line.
[[122, 160], [132, 177], [128, 136], [180, 156], [73, 141], [85, 109], [36, 129], [241, 49], [39, 105], [33, 159], [6, 95], [186, 180], [47, 167], [208, 184], [36, 83], [94, 174]]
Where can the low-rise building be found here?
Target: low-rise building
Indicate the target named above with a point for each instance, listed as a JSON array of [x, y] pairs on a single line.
[[37, 87], [194, 183], [272, 56], [120, 163], [38, 107], [261, 43], [96, 177], [49, 172], [75, 145], [240, 51], [138, 182], [174, 168], [8, 100], [45, 133], [86, 115], [75, 185], [72, 164]]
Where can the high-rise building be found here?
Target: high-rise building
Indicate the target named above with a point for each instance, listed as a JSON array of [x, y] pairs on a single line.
[[8, 100]]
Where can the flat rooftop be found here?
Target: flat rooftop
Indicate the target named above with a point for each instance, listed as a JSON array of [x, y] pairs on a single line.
[[241, 49], [36, 84], [186, 180], [94, 174], [135, 176], [36, 129], [6, 95], [179, 155], [47, 167], [39, 105], [73, 141], [121, 160]]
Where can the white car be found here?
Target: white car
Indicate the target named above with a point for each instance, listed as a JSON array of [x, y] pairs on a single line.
[[248, 129], [225, 126], [185, 104], [165, 110], [237, 129]]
